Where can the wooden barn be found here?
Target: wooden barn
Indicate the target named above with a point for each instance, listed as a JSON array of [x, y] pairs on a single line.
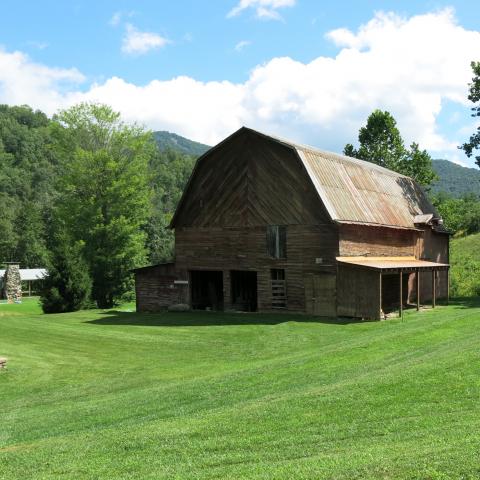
[[265, 224]]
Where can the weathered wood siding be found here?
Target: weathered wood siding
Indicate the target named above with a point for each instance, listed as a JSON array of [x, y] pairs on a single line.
[[236, 248], [358, 292], [247, 182], [432, 246], [155, 287], [358, 240], [236, 192]]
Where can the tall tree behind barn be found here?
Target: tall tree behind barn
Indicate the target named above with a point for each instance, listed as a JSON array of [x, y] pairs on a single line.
[[265, 224]]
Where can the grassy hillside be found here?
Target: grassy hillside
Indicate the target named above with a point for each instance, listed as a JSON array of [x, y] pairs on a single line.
[[168, 140], [121, 395], [465, 260], [455, 180]]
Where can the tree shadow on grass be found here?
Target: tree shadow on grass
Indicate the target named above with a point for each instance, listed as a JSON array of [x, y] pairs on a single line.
[[465, 302], [202, 318]]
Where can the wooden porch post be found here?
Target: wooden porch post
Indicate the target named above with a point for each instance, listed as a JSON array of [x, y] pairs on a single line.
[[29, 288], [380, 294], [434, 287], [418, 289], [448, 285], [400, 313]]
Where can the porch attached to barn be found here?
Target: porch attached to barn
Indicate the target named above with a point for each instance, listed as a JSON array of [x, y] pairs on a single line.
[[371, 287]]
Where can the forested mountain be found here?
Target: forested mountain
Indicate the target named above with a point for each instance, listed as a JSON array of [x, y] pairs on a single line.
[[32, 161], [28, 166], [455, 180], [172, 141]]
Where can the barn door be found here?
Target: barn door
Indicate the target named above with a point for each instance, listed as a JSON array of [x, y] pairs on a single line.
[[320, 294]]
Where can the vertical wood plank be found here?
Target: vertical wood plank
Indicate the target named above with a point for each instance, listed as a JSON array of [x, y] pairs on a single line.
[[400, 313], [380, 294], [448, 286], [434, 287], [417, 275]]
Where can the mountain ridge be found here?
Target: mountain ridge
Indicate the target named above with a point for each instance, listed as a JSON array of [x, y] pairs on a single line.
[[454, 180]]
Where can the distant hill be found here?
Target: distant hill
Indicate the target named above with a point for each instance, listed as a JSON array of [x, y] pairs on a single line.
[[168, 140], [456, 180]]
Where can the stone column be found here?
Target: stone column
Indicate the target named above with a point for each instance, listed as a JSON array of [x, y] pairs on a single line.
[[12, 283]]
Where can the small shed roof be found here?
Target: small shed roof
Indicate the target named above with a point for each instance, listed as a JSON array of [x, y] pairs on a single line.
[[389, 263], [29, 273]]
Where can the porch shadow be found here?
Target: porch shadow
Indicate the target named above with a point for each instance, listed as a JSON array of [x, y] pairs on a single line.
[[200, 318]]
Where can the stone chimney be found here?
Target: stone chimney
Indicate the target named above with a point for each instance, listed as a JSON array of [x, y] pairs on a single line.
[[12, 284]]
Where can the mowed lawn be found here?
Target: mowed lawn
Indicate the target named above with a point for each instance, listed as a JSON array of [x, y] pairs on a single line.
[[100, 395]]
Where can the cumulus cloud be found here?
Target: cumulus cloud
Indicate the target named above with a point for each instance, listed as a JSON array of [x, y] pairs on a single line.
[[115, 19], [411, 67], [264, 9], [241, 45], [118, 17], [138, 43], [23, 81]]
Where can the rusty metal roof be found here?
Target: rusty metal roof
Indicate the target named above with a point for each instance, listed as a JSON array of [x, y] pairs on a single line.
[[356, 191], [388, 263], [352, 190]]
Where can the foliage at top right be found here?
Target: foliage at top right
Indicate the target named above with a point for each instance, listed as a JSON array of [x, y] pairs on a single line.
[[474, 96]]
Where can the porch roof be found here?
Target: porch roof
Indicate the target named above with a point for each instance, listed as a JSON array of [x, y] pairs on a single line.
[[392, 263]]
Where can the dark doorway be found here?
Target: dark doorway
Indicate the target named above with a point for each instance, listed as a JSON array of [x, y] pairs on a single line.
[[244, 290], [207, 289], [391, 291]]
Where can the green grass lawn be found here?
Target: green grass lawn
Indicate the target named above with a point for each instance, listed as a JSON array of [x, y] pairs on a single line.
[[98, 395], [465, 260]]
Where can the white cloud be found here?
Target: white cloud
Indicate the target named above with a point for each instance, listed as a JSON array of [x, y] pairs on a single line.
[[23, 81], [408, 66], [242, 44], [138, 43], [118, 16], [37, 45], [116, 19], [264, 9]]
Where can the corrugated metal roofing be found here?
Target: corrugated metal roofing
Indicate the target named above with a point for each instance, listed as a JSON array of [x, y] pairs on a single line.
[[29, 273], [356, 191], [386, 263], [352, 190]]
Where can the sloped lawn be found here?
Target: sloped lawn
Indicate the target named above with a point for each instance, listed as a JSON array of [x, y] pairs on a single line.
[[100, 395]]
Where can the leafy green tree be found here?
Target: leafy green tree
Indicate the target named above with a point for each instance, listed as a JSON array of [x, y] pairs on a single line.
[[105, 197], [461, 216], [474, 96], [68, 284], [170, 171], [27, 171], [417, 164], [381, 143]]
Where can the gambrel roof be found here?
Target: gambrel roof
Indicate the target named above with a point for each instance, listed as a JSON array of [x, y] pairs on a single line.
[[352, 191]]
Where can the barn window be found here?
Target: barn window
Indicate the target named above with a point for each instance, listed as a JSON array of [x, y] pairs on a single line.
[[277, 241], [279, 288]]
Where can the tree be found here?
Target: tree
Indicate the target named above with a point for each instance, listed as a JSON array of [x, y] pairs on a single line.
[[104, 194], [381, 143], [68, 285], [474, 96], [170, 171], [461, 215], [417, 164], [26, 184]]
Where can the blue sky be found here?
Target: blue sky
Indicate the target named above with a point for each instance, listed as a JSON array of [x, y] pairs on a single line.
[[307, 70]]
